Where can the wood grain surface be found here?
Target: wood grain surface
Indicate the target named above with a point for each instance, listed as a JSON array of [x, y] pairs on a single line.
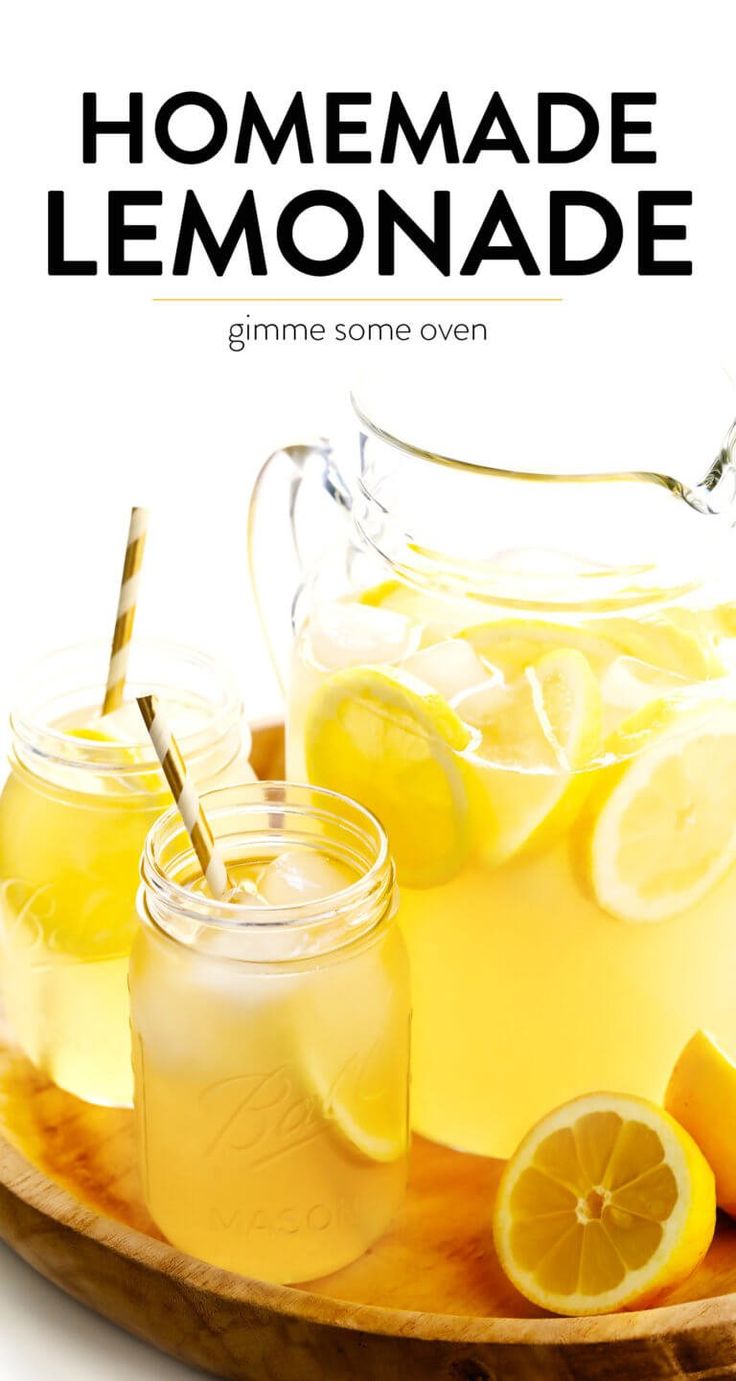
[[428, 1301]]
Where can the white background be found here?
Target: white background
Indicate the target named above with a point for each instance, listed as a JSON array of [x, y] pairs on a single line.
[[111, 399]]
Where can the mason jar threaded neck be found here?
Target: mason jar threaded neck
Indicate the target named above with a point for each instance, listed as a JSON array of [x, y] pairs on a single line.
[[60, 687], [272, 816]]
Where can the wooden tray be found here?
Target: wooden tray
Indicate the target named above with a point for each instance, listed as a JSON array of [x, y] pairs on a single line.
[[429, 1301]]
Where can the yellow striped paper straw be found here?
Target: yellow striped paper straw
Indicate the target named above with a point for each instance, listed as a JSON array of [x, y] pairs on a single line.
[[186, 798], [127, 604]]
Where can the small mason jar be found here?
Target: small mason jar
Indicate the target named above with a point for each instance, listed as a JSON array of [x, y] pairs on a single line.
[[82, 793], [271, 1037]]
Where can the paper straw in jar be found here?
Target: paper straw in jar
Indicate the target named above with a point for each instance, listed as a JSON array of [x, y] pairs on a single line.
[[174, 769], [127, 604]]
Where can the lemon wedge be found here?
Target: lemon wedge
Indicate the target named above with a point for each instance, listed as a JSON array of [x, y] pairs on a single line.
[[701, 1094], [606, 1204], [391, 742], [537, 736], [664, 831]]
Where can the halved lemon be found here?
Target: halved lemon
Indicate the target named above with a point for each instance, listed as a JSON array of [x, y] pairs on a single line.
[[537, 736], [393, 743], [606, 1204], [701, 1094], [664, 831]]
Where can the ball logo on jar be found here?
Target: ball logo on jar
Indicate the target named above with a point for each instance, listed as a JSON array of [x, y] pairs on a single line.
[[270, 1114], [35, 924], [263, 1115], [27, 913]]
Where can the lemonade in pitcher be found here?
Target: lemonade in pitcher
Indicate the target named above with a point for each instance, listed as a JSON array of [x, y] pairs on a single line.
[[529, 678], [560, 798], [271, 1035]]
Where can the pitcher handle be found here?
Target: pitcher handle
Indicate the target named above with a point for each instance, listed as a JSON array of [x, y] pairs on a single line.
[[716, 492], [296, 483]]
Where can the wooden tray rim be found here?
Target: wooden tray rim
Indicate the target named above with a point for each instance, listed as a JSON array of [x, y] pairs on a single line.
[[28, 1184]]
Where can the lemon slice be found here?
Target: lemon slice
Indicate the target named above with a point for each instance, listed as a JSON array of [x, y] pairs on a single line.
[[89, 735], [392, 742], [665, 829], [537, 736], [568, 702], [723, 617], [360, 1087], [367, 1136], [439, 615], [358, 1106], [512, 645], [701, 1094], [671, 642], [607, 1203], [146, 783]]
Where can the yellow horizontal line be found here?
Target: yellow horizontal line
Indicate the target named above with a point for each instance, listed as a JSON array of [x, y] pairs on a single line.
[[356, 299]]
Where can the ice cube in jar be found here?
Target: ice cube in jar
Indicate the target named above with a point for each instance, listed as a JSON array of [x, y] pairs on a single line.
[[303, 875]]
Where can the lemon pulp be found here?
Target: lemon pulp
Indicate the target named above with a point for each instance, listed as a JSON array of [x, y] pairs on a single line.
[[607, 1203]]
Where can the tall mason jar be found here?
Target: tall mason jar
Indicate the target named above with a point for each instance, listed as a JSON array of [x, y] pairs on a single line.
[[271, 1035], [81, 795]]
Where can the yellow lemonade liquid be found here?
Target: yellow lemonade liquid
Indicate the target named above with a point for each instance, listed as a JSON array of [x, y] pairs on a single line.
[[271, 1082], [560, 797], [69, 865], [74, 814]]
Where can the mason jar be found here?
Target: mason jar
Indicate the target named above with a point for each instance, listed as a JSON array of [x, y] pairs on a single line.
[[80, 798], [271, 1035]]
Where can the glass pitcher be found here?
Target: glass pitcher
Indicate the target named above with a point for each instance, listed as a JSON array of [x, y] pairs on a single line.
[[530, 679]]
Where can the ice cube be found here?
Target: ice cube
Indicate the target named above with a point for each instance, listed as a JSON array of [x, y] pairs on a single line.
[[235, 942], [451, 667], [302, 875], [345, 634], [246, 893], [255, 943], [483, 704]]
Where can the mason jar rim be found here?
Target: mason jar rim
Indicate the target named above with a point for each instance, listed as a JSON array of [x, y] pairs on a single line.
[[48, 743], [369, 898]]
